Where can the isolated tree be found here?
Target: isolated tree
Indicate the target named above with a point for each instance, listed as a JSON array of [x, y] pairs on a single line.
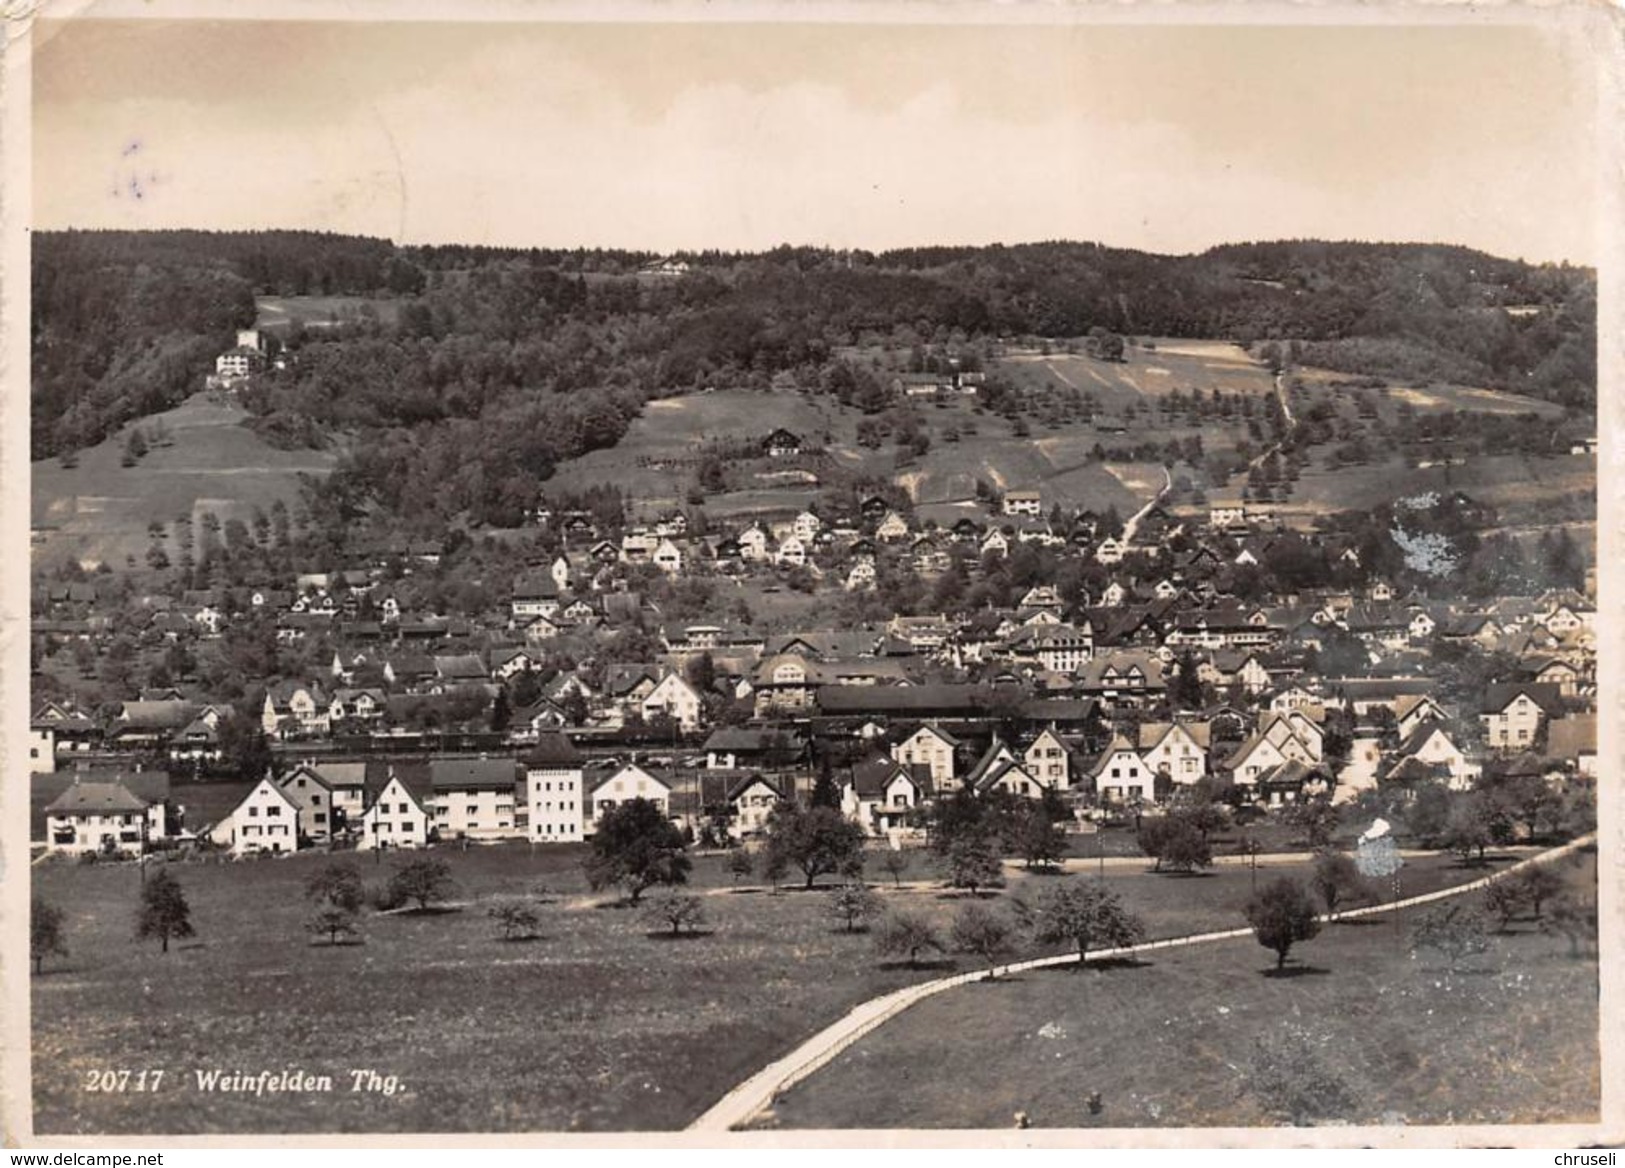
[[741, 864], [1317, 818], [818, 840], [1335, 879], [1503, 901], [636, 847], [675, 911], [45, 932], [1537, 884], [984, 932], [896, 862], [1085, 914], [854, 904], [1282, 914], [1455, 931], [906, 934], [1175, 842], [775, 864], [1041, 843], [517, 920], [338, 885], [825, 793], [973, 863], [424, 880], [163, 912], [1291, 1077], [333, 922]]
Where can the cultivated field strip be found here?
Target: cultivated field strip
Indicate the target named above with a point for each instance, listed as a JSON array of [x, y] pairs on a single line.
[[742, 1104]]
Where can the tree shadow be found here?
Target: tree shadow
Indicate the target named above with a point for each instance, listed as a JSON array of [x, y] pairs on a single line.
[[433, 910], [531, 939], [343, 943], [1357, 922], [1293, 971], [692, 935], [939, 964], [843, 931], [967, 894], [1187, 873]]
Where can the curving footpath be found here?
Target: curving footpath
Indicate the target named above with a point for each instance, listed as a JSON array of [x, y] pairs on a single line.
[[740, 1105]]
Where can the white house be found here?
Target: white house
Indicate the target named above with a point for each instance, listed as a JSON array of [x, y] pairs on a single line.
[[554, 790], [267, 820], [1513, 714], [1030, 503], [753, 544], [792, 553], [395, 820], [668, 557], [677, 700], [474, 798], [892, 527], [630, 782], [806, 527], [93, 816], [1110, 550], [1048, 760], [313, 795], [1177, 749], [752, 799], [1120, 774], [882, 792], [932, 748]]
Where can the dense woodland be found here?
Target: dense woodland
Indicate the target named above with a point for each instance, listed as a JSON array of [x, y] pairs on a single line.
[[497, 365]]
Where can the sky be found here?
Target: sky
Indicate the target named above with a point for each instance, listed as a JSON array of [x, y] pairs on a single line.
[[742, 137]]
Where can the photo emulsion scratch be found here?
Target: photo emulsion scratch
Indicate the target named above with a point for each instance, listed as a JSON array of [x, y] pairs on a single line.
[[744, 576]]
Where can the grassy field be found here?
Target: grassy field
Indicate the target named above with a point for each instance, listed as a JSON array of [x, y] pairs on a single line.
[[1168, 1042], [98, 511], [1144, 373], [597, 1026]]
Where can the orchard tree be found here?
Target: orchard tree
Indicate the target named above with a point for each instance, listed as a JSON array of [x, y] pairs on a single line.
[[1085, 914], [973, 863], [818, 840], [984, 932], [517, 920], [740, 864], [853, 905], [1290, 1077], [163, 912], [902, 933], [1282, 914], [896, 862], [675, 911], [1335, 879], [332, 922], [338, 885], [1538, 884], [1455, 931], [45, 932], [424, 880], [636, 847]]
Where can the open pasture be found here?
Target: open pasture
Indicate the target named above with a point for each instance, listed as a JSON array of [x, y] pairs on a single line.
[[99, 509], [1169, 1041]]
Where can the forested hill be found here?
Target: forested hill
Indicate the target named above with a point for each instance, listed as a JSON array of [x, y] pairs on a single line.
[[530, 357]]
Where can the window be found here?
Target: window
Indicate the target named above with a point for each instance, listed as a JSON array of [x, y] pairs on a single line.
[[315, 800], [402, 808], [273, 811], [253, 812]]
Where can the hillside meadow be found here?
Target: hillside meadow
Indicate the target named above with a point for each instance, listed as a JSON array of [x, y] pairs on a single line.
[[595, 1026]]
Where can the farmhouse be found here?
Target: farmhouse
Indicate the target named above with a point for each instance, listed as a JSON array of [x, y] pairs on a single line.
[[1029, 503], [610, 790], [1120, 774], [1176, 749], [781, 443], [932, 748], [313, 795], [672, 697], [1513, 713]]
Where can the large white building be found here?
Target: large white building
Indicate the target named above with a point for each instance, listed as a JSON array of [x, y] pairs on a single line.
[[554, 791]]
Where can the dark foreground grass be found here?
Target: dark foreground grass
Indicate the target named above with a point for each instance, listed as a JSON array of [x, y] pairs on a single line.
[[595, 1026], [1168, 1041]]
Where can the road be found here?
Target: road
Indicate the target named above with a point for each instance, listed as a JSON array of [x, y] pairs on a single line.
[[1133, 523], [757, 1093]]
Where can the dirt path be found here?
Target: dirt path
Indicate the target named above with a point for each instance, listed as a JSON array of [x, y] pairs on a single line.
[[740, 1105], [1133, 524]]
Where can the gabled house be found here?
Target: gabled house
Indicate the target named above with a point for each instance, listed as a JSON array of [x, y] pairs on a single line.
[[674, 698], [313, 795], [396, 818], [932, 748], [610, 789], [1430, 745], [1513, 714], [1048, 760], [880, 793], [1119, 774], [267, 820], [1176, 749], [751, 799]]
